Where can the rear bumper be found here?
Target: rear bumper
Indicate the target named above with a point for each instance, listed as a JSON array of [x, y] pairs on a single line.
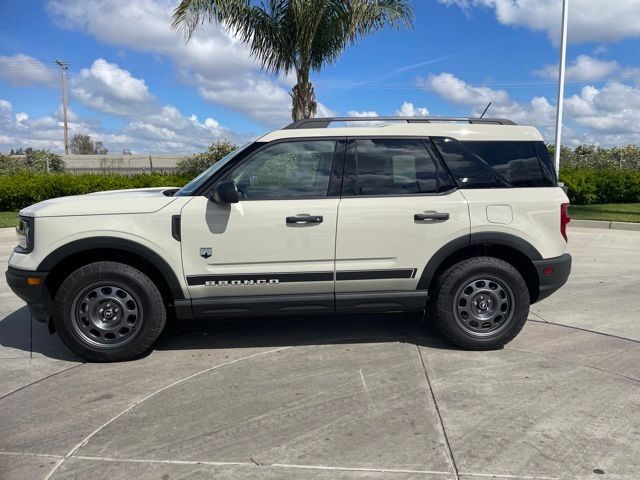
[[552, 274], [37, 297]]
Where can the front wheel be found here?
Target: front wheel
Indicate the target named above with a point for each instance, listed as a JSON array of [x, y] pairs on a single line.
[[109, 311], [480, 303]]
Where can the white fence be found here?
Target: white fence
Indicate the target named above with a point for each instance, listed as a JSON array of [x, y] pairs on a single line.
[[127, 164], [121, 163]]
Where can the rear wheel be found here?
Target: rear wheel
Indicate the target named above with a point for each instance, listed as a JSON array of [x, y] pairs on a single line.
[[109, 311], [481, 303]]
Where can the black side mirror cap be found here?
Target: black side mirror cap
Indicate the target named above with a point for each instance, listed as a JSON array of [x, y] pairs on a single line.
[[226, 192]]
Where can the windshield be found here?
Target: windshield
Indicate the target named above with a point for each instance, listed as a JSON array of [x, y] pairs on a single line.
[[197, 182]]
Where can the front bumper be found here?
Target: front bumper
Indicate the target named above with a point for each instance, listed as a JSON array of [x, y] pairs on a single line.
[[37, 296], [552, 274]]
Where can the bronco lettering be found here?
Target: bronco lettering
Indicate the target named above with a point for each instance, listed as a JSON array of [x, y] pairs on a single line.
[[241, 283]]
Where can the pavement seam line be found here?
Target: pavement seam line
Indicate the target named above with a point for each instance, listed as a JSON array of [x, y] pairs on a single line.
[[29, 454], [135, 404], [254, 465], [40, 380], [633, 379], [518, 477], [611, 335], [276, 465], [441, 422]]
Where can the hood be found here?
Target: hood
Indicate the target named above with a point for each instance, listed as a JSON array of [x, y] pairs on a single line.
[[112, 202]]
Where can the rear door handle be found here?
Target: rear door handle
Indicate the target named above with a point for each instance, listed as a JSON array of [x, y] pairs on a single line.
[[305, 219], [431, 216]]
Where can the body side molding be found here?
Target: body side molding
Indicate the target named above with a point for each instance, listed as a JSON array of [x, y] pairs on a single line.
[[258, 305], [114, 243]]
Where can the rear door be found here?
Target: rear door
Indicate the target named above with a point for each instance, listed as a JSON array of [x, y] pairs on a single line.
[[399, 206]]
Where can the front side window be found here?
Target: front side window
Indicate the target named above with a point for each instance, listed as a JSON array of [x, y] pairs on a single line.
[[394, 167], [197, 183], [296, 169]]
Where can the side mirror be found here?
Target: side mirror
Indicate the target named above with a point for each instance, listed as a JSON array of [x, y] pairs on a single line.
[[226, 192]]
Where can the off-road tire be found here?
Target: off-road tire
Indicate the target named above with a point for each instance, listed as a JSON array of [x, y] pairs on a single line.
[[443, 306], [132, 293]]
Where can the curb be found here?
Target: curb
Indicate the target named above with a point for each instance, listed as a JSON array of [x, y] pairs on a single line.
[[606, 225]]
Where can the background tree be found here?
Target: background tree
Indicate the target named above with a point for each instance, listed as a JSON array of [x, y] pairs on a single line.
[[197, 163], [300, 35], [84, 145], [34, 161]]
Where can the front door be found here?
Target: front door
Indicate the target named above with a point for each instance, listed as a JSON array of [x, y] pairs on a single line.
[[279, 240], [399, 207]]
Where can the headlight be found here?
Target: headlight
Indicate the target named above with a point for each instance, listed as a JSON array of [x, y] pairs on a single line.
[[25, 235]]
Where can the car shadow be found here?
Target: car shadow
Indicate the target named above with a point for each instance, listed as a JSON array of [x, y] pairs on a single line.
[[19, 332], [282, 331]]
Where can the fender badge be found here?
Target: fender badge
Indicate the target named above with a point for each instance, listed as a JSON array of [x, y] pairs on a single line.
[[206, 252]]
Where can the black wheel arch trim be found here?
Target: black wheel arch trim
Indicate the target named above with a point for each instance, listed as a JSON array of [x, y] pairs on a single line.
[[475, 239], [113, 243]]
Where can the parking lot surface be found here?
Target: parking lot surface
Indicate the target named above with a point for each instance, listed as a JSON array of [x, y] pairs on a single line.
[[375, 397]]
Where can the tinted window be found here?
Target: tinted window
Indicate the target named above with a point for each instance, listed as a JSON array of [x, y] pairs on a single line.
[[548, 168], [395, 167], [287, 170], [468, 169], [517, 162]]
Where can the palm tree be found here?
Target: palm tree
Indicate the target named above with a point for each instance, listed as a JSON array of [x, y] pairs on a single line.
[[300, 35]]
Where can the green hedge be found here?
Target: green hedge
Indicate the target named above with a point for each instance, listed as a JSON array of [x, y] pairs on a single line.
[[586, 185], [21, 190], [589, 185]]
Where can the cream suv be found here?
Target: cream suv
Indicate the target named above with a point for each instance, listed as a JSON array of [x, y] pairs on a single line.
[[462, 218]]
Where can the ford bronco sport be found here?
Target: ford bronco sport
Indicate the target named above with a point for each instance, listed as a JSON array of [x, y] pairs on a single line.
[[462, 218]]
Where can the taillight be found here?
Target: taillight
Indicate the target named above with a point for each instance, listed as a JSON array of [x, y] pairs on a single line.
[[564, 219]]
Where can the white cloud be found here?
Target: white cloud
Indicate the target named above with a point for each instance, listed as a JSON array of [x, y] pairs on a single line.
[[607, 116], [613, 110], [218, 65], [583, 69], [364, 113], [589, 20], [256, 97], [408, 110], [22, 70], [457, 91], [166, 130], [107, 88], [538, 111], [324, 111]]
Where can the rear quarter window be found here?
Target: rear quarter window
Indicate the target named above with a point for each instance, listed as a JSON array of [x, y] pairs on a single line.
[[517, 162]]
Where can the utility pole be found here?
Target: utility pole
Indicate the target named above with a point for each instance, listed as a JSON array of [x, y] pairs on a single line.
[[563, 62], [63, 68]]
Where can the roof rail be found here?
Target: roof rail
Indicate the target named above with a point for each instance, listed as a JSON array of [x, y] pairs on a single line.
[[325, 122]]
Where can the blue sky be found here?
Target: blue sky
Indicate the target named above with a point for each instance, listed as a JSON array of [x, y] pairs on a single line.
[[133, 83]]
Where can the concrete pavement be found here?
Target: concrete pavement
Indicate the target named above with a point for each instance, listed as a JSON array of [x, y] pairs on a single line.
[[341, 397]]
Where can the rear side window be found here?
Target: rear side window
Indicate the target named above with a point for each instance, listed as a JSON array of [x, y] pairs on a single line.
[[393, 167], [517, 162], [468, 170]]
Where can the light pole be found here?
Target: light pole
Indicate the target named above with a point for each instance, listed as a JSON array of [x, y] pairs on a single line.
[[563, 61], [63, 68]]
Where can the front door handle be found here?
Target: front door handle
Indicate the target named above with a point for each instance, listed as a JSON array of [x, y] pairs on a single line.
[[305, 219], [431, 216]]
